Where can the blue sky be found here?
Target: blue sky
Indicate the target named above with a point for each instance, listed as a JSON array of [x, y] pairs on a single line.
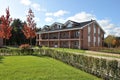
[[105, 12]]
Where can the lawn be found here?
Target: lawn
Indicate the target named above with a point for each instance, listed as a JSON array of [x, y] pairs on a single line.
[[39, 68], [85, 52], [70, 50]]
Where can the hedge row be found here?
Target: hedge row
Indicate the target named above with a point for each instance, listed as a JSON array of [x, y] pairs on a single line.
[[13, 52], [105, 68]]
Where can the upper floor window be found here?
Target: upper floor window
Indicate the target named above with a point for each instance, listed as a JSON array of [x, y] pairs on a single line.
[[77, 33]]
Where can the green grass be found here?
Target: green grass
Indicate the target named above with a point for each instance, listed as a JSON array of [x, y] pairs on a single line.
[[70, 50], [78, 51], [39, 68]]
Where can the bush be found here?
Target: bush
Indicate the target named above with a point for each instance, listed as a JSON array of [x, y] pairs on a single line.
[[14, 52], [24, 46]]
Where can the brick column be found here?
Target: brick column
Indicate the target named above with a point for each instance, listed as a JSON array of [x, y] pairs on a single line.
[[69, 34], [39, 37], [58, 39], [48, 40], [69, 43], [79, 39]]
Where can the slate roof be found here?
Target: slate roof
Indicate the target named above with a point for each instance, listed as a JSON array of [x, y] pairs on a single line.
[[64, 26]]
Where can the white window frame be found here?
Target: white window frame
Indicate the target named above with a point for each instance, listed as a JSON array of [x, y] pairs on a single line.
[[98, 30], [88, 40], [89, 29], [98, 40], [94, 40], [94, 28]]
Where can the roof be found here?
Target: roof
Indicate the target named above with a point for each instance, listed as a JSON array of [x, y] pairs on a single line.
[[75, 25]]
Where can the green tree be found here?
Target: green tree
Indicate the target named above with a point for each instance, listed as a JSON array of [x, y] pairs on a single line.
[[17, 37], [109, 40]]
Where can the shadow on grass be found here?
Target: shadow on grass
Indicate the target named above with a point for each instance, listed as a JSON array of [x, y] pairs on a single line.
[[1, 58]]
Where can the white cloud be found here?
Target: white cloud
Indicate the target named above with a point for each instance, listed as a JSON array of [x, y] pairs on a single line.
[[48, 14], [37, 19], [108, 27], [83, 16], [37, 7], [57, 14], [26, 2], [48, 19], [60, 13]]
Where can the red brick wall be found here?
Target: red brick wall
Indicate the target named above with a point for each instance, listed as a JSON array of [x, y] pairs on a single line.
[[84, 32], [85, 38]]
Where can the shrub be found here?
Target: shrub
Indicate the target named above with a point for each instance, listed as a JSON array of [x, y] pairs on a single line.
[[24, 46]]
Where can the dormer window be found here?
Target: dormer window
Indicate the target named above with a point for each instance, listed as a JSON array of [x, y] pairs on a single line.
[[69, 25], [59, 26]]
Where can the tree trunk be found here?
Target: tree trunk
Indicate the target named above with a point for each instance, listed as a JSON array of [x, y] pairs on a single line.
[[4, 42], [31, 41]]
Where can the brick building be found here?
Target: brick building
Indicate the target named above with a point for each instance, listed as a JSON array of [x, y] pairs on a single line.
[[71, 35]]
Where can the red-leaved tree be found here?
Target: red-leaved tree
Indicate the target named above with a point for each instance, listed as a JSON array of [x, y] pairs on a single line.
[[5, 28], [29, 29]]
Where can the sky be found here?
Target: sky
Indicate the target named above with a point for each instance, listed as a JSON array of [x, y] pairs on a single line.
[[105, 12]]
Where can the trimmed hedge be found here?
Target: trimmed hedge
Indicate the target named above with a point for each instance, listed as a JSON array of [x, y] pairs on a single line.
[[14, 52], [102, 67]]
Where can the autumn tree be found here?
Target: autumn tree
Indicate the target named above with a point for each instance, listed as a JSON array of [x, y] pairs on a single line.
[[5, 28], [111, 41], [30, 27], [116, 42]]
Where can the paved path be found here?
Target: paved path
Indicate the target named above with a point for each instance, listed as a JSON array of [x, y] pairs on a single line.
[[103, 55]]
